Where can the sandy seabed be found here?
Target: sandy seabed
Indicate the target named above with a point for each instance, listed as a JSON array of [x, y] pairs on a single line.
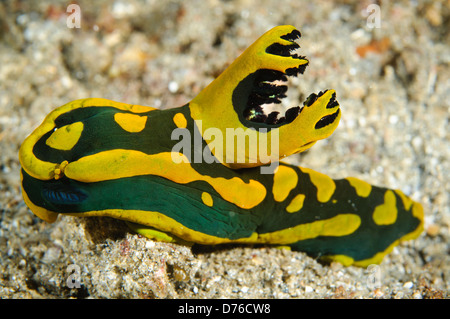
[[392, 82]]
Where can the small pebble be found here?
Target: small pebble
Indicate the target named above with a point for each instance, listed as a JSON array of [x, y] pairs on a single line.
[[173, 87], [149, 244], [408, 285], [417, 295], [433, 230]]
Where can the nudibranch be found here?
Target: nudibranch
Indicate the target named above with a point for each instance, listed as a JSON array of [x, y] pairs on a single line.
[[175, 175]]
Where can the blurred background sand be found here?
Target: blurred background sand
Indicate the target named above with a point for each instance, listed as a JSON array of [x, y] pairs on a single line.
[[392, 82]]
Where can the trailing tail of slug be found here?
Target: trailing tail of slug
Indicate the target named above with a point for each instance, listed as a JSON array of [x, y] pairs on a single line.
[[374, 230], [345, 220]]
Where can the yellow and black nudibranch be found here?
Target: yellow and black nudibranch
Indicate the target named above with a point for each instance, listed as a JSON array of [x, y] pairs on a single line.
[[95, 157]]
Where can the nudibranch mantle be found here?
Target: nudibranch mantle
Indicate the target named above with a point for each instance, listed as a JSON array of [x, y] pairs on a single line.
[[96, 157]]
